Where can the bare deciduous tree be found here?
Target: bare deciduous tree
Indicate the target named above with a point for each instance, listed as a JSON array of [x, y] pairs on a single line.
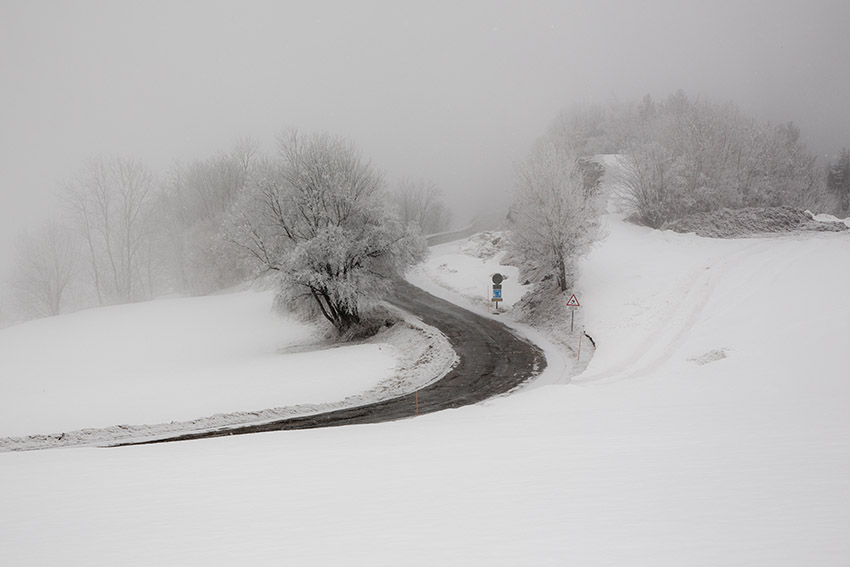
[[45, 265], [554, 214], [110, 205], [421, 203]]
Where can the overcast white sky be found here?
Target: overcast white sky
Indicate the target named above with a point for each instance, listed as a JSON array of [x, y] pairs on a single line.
[[450, 91]]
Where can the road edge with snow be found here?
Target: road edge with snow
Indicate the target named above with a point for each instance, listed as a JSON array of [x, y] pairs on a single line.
[[424, 355]]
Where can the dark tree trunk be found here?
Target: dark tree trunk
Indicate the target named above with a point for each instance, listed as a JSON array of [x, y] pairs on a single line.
[[562, 273]]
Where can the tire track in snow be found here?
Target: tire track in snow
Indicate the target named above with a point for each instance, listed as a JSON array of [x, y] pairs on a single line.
[[674, 326]]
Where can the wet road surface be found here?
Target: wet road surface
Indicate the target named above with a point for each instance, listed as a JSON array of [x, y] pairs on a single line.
[[493, 361]]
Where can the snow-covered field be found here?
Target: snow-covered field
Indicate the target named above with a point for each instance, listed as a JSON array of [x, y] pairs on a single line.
[[712, 427], [169, 365], [166, 360]]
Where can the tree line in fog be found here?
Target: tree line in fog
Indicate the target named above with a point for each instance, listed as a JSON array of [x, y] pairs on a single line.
[[676, 157], [126, 233], [318, 219]]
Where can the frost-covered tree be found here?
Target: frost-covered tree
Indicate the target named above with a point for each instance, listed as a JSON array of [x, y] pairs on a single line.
[[787, 171], [421, 203], [655, 182], [319, 217], [690, 156], [554, 214], [44, 267]]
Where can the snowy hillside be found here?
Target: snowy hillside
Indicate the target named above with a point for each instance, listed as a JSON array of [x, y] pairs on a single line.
[[189, 364], [711, 428]]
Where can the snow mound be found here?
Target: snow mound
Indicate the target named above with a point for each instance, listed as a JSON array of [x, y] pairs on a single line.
[[483, 245], [730, 223], [830, 219]]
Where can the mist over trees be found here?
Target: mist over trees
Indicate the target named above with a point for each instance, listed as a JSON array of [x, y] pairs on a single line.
[[45, 263], [191, 209], [679, 156], [689, 157], [320, 216], [110, 208], [316, 214], [684, 156], [421, 203]]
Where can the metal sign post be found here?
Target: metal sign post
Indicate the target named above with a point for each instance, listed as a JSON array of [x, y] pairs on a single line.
[[573, 302], [497, 290]]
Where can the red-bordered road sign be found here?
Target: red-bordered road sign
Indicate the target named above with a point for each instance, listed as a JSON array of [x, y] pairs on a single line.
[[573, 302]]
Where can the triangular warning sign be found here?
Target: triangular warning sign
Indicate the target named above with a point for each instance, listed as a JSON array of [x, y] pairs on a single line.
[[573, 302]]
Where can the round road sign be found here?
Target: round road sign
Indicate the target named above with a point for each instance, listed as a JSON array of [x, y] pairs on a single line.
[[497, 279]]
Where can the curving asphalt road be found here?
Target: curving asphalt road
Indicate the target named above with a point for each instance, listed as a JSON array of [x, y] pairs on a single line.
[[492, 361]]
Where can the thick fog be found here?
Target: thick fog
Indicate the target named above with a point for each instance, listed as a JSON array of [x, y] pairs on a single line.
[[451, 92]]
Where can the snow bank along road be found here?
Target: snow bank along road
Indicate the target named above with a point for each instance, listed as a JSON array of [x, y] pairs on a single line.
[[492, 361]]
